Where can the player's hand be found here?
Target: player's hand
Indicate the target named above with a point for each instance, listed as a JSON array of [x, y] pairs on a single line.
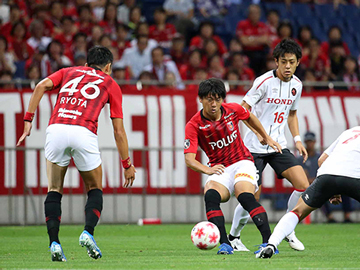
[[274, 145], [129, 175], [302, 151], [217, 169], [336, 199], [27, 130], [261, 139]]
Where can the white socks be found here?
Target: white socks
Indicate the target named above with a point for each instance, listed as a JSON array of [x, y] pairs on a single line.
[[241, 217], [285, 227], [294, 197]]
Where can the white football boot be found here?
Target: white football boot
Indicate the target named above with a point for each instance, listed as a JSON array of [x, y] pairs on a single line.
[[238, 245], [294, 242]]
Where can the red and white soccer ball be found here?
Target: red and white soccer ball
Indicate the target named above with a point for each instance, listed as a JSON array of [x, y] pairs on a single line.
[[205, 235]]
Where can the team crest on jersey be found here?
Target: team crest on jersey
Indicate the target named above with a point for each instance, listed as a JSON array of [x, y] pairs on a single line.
[[186, 144], [230, 125], [293, 91]]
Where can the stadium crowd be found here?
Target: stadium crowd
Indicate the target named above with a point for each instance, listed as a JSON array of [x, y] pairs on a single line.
[[174, 40]]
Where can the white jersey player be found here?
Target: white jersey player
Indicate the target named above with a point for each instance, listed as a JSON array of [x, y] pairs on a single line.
[[339, 174], [274, 99]]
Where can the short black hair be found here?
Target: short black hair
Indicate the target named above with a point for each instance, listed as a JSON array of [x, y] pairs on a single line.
[[99, 56], [213, 87], [287, 45], [160, 9], [5, 41], [79, 34], [161, 49], [285, 23]]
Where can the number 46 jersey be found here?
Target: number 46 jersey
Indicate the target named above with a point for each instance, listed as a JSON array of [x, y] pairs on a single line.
[[83, 92], [271, 100]]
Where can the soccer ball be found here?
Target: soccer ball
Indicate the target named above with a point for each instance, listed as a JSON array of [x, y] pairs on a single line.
[[205, 235]]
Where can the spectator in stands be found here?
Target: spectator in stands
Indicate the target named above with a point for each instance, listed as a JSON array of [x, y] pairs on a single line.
[[213, 9], [79, 45], [285, 30], [181, 13], [135, 18], [106, 41], [317, 61], [123, 11], [56, 15], [334, 34], [85, 22], [41, 13], [6, 58], [79, 59], [122, 42], [351, 73], [15, 16], [54, 59], [162, 31], [195, 61], [177, 51], [33, 73], [254, 36], [309, 77], [6, 78], [67, 33], [210, 49], [170, 81], [233, 75], [4, 13], [311, 165], [270, 63], [234, 46], [337, 58], [17, 42], [143, 29], [207, 32], [110, 22], [200, 74], [137, 57], [216, 67], [273, 22], [120, 72], [96, 34], [159, 66], [238, 64], [304, 36], [38, 39]]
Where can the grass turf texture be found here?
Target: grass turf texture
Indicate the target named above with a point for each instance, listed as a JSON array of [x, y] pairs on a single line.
[[169, 247]]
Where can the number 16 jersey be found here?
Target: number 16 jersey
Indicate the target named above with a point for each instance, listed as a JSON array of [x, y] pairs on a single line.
[[271, 100], [84, 91]]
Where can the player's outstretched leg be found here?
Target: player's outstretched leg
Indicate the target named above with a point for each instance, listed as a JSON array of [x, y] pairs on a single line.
[[241, 217], [258, 215], [293, 241], [215, 215], [53, 216], [93, 210]]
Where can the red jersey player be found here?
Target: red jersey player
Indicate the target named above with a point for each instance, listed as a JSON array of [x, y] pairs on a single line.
[[232, 170], [72, 134]]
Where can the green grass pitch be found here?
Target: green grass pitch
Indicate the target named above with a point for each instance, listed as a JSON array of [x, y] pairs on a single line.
[[334, 246]]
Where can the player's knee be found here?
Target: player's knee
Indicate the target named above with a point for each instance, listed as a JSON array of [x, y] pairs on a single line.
[[212, 196]]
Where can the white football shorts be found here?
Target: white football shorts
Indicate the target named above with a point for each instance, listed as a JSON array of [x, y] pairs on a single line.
[[64, 142], [243, 170]]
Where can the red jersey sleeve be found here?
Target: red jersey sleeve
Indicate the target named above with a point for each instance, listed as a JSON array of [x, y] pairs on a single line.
[[115, 101], [242, 112], [57, 77], [191, 139]]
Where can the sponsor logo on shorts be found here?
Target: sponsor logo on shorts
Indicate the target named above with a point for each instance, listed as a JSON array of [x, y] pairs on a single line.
[[244, 175], [186, 144], [306, 197]]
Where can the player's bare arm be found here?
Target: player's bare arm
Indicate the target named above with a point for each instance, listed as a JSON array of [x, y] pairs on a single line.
[[256, 125], [293, 124], [123, 148], [192, 163], [322, 158], [260, 138], [43, 86]]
